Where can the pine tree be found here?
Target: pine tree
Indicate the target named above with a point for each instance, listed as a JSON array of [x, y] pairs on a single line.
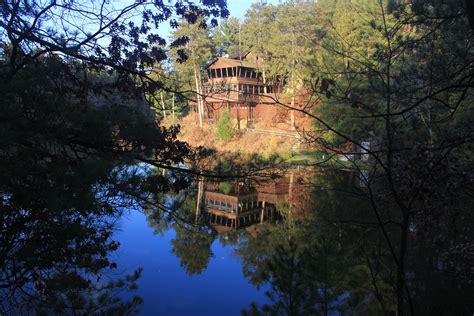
[[292, 47], [225, 37], [191, 59], [254, 34], [225, 130]]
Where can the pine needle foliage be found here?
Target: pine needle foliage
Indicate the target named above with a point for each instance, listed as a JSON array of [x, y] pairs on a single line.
[[225, 130]]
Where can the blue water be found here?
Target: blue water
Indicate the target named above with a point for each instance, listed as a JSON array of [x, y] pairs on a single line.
[[166, 288]]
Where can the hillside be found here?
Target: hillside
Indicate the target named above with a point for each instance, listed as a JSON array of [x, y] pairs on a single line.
[[244, 141]]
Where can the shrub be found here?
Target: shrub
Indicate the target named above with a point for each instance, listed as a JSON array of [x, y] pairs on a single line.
[[225, 187], [225, 130]]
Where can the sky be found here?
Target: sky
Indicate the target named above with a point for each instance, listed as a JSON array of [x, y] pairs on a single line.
[[237, 8]]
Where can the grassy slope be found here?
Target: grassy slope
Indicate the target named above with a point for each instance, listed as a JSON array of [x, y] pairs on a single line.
[[249, 143]]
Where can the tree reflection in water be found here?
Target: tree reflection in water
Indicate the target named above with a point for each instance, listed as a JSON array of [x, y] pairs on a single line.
[[335, 258], [323, 251], [66, 179], [55, 244], [193, 239]]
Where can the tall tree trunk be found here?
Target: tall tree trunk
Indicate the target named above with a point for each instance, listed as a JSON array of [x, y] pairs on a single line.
[[264, 77], [197, 79], [292, 112], [163, 104], [172, 105], [199, 199], [293, 80]]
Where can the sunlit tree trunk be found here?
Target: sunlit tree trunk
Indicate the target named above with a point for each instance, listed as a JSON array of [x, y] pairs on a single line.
[[293, 81], [199, 200], [163, 104], [292, 112], [200, 101], [172, 105]]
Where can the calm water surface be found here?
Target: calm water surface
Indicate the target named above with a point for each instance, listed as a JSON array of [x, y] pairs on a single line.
[[305, 243], [221, 289]]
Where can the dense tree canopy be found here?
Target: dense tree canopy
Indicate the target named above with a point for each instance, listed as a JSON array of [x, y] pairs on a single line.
[[389, 80], [75, 122]]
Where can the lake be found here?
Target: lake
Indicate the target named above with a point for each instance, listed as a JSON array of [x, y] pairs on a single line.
[[166, 287], [304, 241]]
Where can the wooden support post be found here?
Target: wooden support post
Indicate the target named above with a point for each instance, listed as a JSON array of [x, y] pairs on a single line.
[[238, 116], [248, 115]]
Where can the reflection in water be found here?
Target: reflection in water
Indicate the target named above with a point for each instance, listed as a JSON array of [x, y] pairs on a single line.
[[56, 241], [309, 238], [241, 203], [316, 242]]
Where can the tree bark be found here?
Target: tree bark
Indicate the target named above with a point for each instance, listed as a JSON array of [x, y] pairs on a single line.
[[199, 199], [292, 113], [163, 104], [197, 78], [172, 105]]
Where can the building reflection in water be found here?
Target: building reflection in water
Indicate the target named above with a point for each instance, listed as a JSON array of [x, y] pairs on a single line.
[[244, 203]]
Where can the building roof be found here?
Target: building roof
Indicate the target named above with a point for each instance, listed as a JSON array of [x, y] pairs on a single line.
[[222, 229], [238, 54], [229, 62]]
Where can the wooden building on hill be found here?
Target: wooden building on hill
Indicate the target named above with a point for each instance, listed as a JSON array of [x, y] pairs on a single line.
[[237, 83]]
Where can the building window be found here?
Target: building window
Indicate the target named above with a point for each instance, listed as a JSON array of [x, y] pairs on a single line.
[[261, 90], [254, 74], [219, 75], [224, 72], [213, 73], [229, 72], [235, 71], [248, 73]]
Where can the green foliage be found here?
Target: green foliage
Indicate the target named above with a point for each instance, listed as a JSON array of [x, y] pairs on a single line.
[[225, 128], [313, 265], [225, 187], [225, 37], [193, 56], [193, 248], [71, 136]]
